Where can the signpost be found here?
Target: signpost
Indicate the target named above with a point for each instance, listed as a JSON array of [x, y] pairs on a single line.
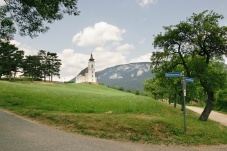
[[188, 79], [184, 81], [172, 74]]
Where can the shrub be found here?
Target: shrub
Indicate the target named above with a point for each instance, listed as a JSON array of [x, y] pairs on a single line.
[[137, 92], [129, 91], [221, 100]]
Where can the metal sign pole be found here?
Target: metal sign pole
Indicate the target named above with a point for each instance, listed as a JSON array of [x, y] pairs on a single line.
[[184, 85], [184, 93]]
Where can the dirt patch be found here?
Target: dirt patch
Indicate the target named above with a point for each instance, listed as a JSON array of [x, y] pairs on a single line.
[[161, 131], [143, 116]]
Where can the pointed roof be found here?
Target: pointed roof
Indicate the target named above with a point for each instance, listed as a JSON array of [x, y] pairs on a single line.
[[91, 59], [83, 72]]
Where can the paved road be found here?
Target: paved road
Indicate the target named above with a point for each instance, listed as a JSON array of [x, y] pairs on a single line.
[[215, 116], [17, 134]]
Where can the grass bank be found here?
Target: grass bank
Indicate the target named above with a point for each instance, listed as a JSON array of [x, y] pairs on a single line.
[[107, 113]]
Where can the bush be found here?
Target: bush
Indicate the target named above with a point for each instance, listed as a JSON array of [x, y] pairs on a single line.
[[221, 100], [121, 89], [129, 91], [137, 92], [118, 88]]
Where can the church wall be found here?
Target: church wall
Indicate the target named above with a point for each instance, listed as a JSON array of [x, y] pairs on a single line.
[[80, 78]]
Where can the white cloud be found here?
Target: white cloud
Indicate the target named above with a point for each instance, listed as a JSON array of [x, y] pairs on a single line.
[[27, 49], [106, 58], [125, 48], [144, 58], [72, 62], [14, 42], [98, 35], [146, 2]]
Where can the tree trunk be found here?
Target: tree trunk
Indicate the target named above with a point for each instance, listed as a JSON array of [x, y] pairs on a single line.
[[44, 77], [10, 76], [155, 96], [170, 99], [175, 101], [14, 76], [209, 106], [32, 78]]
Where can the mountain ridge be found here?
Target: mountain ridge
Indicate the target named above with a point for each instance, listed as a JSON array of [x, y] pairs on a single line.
[[129, 76]]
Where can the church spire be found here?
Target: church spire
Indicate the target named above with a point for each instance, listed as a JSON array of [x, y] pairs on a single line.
[[91, 59]]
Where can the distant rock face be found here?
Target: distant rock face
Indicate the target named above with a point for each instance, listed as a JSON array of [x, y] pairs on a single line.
[[139, 72], [115, 76], [129, 76]]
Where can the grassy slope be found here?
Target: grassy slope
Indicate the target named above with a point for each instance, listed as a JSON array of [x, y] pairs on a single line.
[[107, 113]]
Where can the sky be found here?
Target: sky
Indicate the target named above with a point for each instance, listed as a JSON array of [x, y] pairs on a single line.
[[114, 31]]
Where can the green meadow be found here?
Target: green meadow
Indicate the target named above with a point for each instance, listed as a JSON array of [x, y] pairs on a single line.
[[103, 112]]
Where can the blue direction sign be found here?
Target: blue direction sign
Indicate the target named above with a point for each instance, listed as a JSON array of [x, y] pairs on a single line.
[[173, 74], [188, 79]]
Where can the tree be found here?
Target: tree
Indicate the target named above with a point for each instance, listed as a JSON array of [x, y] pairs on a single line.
[[42, 65], [17, 62], [9, 58], [50, 64], [31, 67], [166, 88], [53, 65], [43, 59], [31, 16], [194, 44], [153, 86]]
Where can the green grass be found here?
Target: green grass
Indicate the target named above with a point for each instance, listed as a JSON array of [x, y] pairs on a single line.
[[107, 113]]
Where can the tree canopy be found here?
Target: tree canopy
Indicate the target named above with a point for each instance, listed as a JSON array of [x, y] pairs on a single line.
[[195, 45], [32, 16], [7, 29]]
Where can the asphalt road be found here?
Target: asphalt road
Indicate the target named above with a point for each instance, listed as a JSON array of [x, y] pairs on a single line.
[[18, 134]]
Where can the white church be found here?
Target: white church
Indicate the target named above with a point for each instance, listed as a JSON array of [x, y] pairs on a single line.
[[87, 74]]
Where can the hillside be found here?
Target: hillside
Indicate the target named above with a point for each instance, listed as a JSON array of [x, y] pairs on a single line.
[[107, 113], [129, 76]]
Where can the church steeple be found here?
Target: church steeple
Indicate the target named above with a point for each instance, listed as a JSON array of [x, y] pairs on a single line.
[[91, 58], [91, 70]]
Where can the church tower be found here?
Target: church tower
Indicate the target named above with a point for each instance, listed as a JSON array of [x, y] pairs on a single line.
[[91, 69]]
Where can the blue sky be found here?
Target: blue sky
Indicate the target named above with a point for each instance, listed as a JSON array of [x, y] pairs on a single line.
[[115, 31]]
